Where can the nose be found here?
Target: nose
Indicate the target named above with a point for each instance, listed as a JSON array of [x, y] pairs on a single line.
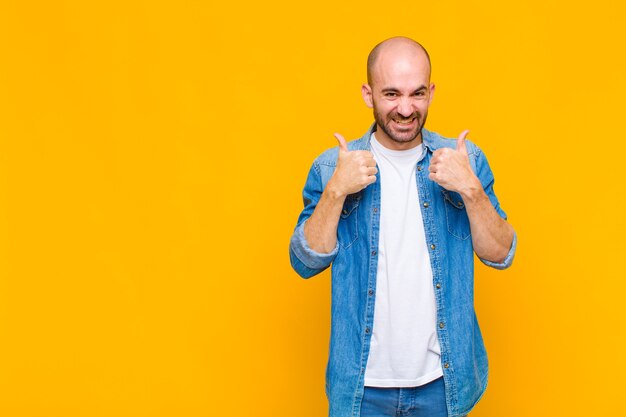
[[405, 108]]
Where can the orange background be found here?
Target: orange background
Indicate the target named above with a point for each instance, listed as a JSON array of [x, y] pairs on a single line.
[[152, 156]]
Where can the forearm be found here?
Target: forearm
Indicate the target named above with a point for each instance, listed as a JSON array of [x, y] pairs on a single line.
[[492, 236], [320, 230]]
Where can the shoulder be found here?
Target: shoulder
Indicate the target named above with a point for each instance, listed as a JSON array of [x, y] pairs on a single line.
[[329, 156], [434, 141]]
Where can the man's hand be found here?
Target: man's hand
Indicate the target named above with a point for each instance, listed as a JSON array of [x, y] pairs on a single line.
[[492, 236], [451, 168], [355, 170]]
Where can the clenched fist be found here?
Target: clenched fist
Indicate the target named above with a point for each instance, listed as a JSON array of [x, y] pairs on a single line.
[[355, 170], [451, 168]]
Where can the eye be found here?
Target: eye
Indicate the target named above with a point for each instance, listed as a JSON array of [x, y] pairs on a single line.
[[420, 93], [390, 94]]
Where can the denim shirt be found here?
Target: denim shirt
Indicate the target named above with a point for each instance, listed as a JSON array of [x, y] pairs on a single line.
[[354, 264]]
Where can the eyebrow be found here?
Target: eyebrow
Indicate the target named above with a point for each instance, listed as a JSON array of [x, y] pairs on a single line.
[[394, 90]]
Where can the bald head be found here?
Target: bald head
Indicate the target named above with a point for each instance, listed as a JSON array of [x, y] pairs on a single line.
[[392, 49]]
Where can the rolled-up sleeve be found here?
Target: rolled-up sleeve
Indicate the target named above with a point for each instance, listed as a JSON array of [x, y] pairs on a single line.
[[485, 175], [509, 257], [304, 260]]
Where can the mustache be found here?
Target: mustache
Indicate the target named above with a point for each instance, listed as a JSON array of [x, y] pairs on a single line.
[[398, 116]]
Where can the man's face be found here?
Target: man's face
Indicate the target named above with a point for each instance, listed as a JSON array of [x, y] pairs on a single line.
[[399, 126], [400, 96]]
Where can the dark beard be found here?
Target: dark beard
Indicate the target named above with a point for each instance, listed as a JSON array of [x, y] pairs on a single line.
[[390, 134]]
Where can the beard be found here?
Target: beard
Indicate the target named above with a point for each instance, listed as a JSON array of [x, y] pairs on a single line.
[[400, 136]]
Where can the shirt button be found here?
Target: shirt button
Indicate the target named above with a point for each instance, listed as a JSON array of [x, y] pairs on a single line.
[[425, 204], [446, 365], [459, 204], [375, 210], [438, 285], [419, 167], [373, 252], [370, 292], [441, 325], [432, 246], [367, 330], [344, 211]]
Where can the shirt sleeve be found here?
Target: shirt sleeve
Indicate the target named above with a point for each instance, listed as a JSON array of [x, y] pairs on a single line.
[[485, 175], [304, 260]]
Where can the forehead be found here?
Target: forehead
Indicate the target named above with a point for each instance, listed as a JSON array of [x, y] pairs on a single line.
[[401, 69]]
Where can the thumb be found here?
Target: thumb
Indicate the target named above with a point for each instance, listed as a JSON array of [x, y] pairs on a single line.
[[460, 142], [343, 146]]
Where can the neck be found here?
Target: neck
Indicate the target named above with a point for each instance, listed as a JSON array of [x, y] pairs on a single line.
[[389, 143]]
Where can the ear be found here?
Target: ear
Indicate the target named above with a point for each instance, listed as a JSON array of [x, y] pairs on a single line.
[[432, 93], [366, 91]]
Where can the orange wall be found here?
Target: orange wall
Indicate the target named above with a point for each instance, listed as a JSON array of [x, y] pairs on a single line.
[[152, 157]]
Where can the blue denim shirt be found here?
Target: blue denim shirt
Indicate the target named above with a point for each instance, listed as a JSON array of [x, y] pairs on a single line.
[[354, 265]]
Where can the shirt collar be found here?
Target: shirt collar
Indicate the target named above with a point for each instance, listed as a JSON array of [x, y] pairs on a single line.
[[431, 140]]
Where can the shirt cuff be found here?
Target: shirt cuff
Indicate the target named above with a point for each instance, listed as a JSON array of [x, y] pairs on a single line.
[[306, 255], [509, 257]]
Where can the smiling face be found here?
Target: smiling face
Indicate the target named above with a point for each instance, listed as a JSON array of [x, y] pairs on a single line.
[[400, 94]]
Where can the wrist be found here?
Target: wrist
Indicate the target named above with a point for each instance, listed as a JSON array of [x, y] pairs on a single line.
[[334, 192], [472, 191]]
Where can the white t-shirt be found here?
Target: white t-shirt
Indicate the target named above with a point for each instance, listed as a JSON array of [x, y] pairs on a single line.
[[404, 349]]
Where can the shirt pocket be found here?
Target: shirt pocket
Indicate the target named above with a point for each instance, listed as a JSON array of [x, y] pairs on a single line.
[[347, 229], [456, 215]]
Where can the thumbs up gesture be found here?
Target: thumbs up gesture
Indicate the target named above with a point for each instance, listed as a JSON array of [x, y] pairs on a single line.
[[460, 142], [355, 169], [451, 168]]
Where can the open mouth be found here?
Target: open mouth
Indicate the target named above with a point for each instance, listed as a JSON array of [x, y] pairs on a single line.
[[405, 122]]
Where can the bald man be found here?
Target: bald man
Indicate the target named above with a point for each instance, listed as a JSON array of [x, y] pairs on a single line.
[[399, 213]]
